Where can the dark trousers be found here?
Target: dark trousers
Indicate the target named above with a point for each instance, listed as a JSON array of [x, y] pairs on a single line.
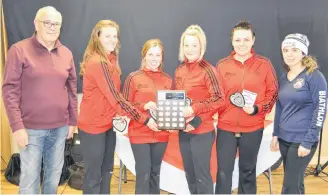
[[294, 167], [196, 154], [227, 144], [148, 158], [98, 155]]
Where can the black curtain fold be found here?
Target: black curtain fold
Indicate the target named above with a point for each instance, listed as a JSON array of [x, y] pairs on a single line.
[[145, 19]]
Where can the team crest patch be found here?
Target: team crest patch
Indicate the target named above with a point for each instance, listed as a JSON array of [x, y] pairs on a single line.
[[299, 83]]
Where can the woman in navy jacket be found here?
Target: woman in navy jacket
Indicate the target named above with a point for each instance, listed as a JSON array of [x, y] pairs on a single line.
[[300, 111]]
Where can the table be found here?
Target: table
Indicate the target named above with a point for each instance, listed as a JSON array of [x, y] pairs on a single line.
[[172, 178]]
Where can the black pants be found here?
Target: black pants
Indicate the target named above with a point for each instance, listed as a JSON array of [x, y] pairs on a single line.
[[227, 144], [294, 167], [196, 154], [148, 158], [98, 155]]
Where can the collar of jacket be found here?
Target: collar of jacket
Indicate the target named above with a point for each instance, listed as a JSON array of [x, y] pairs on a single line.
[[249, 61], [193, 65], [37, 44]]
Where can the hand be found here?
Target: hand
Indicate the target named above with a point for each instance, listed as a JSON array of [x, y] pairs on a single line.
[[71, 130], [302, 152], [152, 125], [21, 137], [248, 109], [150, 106], [274, 144], [215, 116], [172, 131], [122, 118], [188, 111], [189, 119], [189, 128]]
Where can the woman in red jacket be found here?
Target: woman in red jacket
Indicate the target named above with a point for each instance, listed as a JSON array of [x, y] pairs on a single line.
[[140, 89], [250, 86], [100, 103], [200, 81]]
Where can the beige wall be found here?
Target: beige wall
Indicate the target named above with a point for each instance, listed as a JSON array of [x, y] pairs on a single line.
[[5, 135]]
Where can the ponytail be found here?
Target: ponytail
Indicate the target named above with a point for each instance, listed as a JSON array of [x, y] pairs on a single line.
[[310, 62]]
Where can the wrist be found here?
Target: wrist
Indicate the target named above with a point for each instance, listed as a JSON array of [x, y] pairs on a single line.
[[255, 111]]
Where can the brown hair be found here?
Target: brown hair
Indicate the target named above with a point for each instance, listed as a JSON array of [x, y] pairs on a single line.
[[310, 62], [149, 44], [243, 25], [95, 46]]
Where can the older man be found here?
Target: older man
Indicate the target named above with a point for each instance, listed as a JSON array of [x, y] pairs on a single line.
[[39, 92]]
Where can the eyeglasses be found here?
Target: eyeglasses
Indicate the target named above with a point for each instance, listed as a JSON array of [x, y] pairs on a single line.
[[49, 24]]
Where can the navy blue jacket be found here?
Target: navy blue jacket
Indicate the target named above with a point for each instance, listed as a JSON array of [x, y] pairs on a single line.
[[301, 108]]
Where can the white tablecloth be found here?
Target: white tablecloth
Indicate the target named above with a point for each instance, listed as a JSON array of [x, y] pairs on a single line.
[[173, 179]]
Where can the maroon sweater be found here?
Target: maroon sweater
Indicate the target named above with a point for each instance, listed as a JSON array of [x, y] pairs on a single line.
[[39, 87]]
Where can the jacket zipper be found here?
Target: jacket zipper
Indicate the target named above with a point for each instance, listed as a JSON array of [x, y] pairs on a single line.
[[155, 101], [242, 88]]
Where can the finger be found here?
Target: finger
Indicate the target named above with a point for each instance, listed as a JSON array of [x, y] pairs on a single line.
[[189, 128], [155, 125], [277, 146], [273, 145], [187, 114], [274, 148], [25, 141], [304, 154], [70, 135], [188, 119], [299, 153], [154, 106], [22, 143]]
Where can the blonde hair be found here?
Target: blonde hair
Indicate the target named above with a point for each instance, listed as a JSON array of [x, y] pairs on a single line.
[[46, 10], [243, 25], [310, 62], [95, 46], [149, 44], [197, 31]]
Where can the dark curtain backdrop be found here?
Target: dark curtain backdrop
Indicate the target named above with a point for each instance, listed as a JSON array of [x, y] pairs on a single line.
[[141, 20]]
